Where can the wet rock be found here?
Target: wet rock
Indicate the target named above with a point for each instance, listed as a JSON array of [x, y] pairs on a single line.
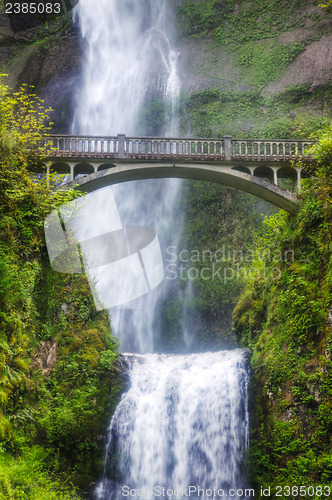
[[46, 357]]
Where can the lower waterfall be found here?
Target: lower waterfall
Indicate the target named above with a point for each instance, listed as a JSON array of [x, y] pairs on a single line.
[[181, 429]]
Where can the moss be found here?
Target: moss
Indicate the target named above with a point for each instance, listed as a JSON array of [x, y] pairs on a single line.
[[59, 379], [295, 113], [247, 32], [230, 21], [284, 319], [265, 61]]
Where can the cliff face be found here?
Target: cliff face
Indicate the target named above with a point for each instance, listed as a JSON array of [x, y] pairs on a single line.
[[256, 50], [205, 63], [285, 317], [268, 64], [47, 58]]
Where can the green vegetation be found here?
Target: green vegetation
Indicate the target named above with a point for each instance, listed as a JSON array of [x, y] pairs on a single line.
[[28, 476], [219, 222], [249, 102], [285, 317], [237, 22], [293, 114], [58, 379], [326, 6], [266, 61]]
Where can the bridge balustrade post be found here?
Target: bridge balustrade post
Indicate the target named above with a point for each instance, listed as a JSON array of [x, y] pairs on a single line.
[[227, 147], [121, 145]]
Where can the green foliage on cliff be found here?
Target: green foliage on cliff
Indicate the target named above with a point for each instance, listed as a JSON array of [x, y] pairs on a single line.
[[57, 358], [296, 113], [233, 21], [28, 476], [218, 226], [255, 45], [285, 316], [264, 62]]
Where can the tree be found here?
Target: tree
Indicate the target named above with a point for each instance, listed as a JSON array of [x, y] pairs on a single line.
[[322, 152], [327, 6], [23, 121], [24, 203]]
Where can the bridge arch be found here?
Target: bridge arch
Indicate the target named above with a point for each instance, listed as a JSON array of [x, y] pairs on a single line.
[[60, 167], [264, 172], [83, 168], [125, 172], [244, 170], [105, 166], [253, 165]]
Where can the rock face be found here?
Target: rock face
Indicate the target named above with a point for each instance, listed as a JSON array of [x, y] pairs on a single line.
[[203, 65], [313, 66], [48, 57], [46, 357], [53, 71]]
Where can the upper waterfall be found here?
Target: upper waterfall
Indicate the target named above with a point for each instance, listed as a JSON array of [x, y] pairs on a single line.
[[129, 63], [130, 85]]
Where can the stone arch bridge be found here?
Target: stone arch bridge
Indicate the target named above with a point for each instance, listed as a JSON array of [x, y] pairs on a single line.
[[269, 169]]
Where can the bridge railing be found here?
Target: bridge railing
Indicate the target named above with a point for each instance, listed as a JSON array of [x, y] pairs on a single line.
[[270, 149], [133, 147], [156, 148], [67, 145]]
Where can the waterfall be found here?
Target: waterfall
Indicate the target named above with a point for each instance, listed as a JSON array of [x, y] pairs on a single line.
[[130, 68], [129, 64], [183, 422]]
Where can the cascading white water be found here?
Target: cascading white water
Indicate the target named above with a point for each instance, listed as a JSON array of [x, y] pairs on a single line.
[[184, 422], [129, 66], [129, 63]]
